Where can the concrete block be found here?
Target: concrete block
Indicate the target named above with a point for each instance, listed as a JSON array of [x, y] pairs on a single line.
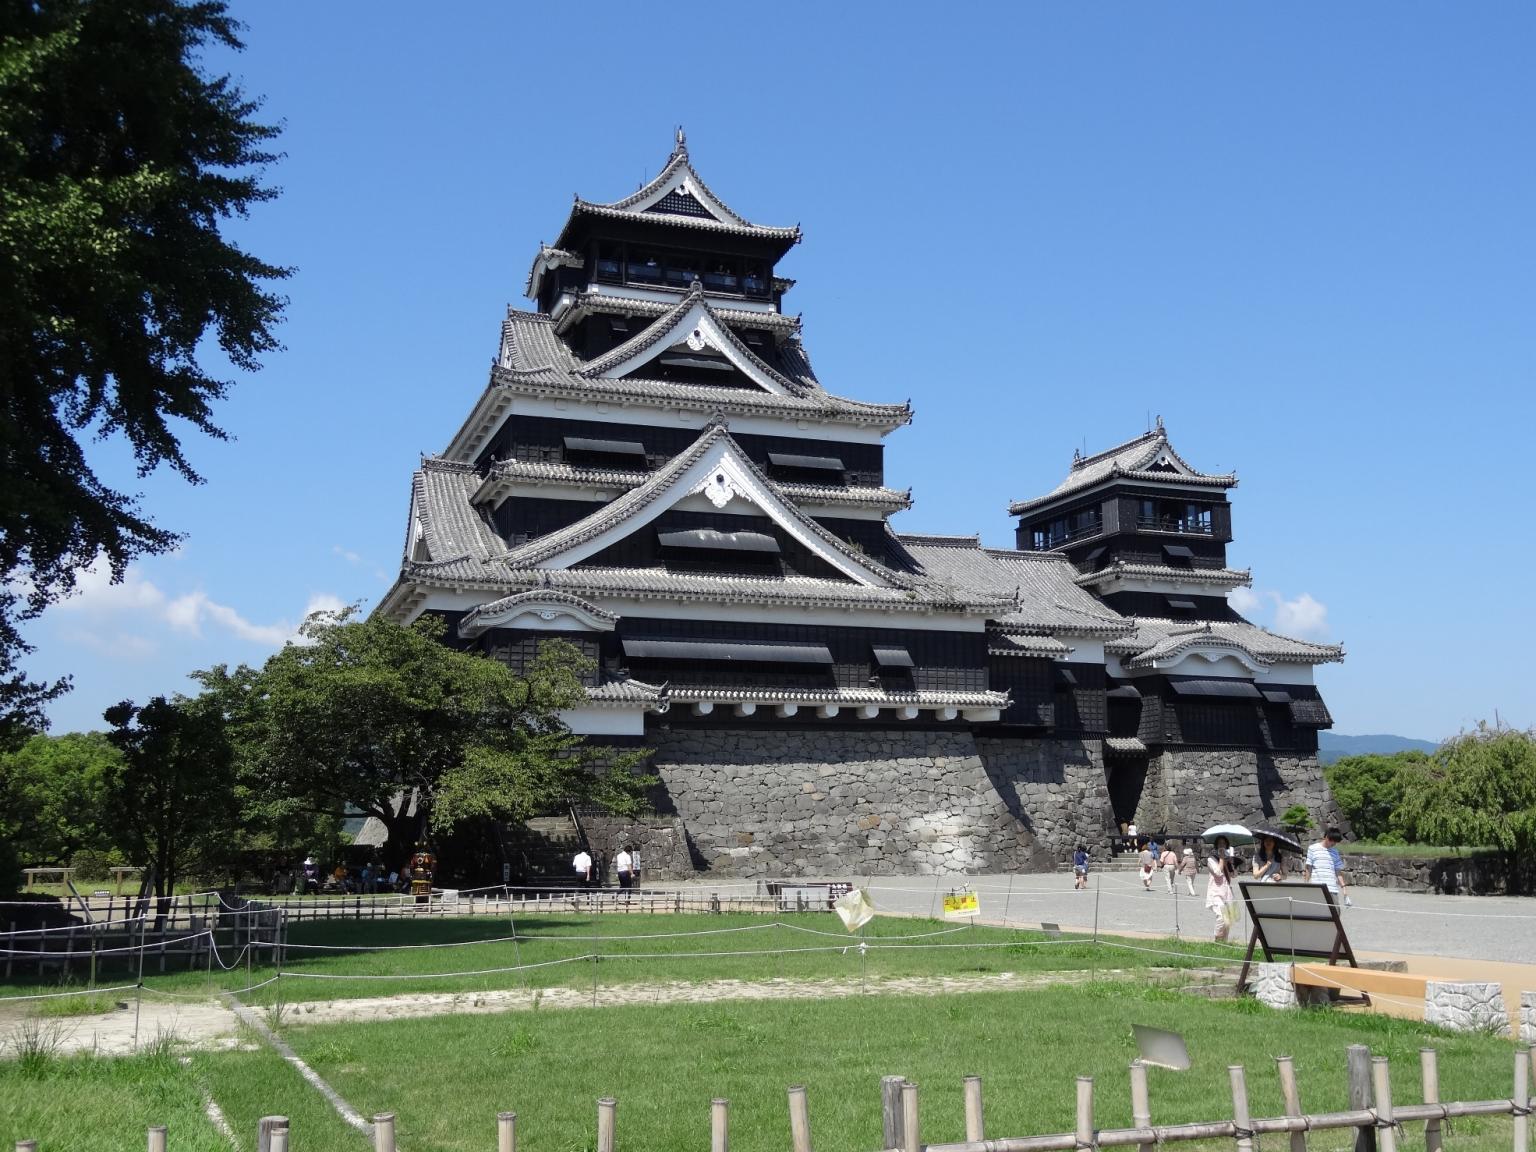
[[1467, 1007]]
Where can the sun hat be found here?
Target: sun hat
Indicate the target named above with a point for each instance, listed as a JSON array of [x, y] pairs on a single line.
[[1189, 851]]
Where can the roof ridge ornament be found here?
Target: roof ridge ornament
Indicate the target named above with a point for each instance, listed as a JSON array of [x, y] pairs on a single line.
[[682, 142], [1160, 422]]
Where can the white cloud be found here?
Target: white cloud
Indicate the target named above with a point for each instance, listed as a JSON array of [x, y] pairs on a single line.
[[138, 601], [346, 554], [125, 646], [1301, 616]]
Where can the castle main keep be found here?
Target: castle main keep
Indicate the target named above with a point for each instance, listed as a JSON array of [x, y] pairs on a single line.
[[655, 474]]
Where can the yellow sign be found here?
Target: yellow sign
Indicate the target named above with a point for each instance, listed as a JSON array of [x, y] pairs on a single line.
[[962, 904]]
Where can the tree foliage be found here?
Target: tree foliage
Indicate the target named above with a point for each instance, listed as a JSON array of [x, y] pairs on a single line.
[[173, 801], [1477, 789], [120, 159], [1368, 789], [370, 713], [52, 793]]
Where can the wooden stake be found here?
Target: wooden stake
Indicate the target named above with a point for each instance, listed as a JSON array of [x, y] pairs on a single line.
[[607, 1116], [26, 1145], [280, 1140], [1360, 1093], [264, 1128], [506, 1132], [1430, 1069], [383, 1132], [157, 1138], [1291, 1094], [1522, 1099], [1141, 1102], [975, 1123], [799, 1120], [1240, 1118], [719, 1126], [910, 1131], [890, 1111], [1085, 1112], [1381, 1080]]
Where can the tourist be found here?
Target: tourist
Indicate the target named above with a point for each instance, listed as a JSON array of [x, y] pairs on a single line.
[[1219, 897], [1080, 867], [1167, 864], [1325, 866], [624, 865], [583, 867], [1188, 868], [1268, 861], [1148, 864]]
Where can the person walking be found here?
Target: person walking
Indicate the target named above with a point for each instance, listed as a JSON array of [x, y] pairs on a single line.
[[1188, 868], [1325, 866], [1148, 865], [1167, 864], [582, 865], [1080, 867], [1219, 897], [624, 865], [1268, 861]]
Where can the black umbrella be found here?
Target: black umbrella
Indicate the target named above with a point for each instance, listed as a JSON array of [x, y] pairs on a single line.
[[1281, 839]]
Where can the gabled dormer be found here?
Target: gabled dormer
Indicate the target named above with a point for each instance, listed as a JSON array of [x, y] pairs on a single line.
[[1139, 519], [672, 232]]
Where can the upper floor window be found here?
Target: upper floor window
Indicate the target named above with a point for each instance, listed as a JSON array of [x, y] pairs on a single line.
[[1175, 516], [1067, 528]]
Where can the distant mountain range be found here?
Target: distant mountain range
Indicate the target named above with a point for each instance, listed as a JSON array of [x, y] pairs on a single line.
[[1332, 745]]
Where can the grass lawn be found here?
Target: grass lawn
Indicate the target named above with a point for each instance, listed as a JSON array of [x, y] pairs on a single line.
[[341, 958]]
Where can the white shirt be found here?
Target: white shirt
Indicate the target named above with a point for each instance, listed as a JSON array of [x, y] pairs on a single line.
[[623, 862], [582, 863], [1324, 865]]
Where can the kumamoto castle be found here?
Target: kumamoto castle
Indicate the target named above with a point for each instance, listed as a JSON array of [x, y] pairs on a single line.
[[655, 474]]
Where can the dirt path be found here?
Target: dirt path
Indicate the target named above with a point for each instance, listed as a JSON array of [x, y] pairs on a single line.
[[212, 1024]]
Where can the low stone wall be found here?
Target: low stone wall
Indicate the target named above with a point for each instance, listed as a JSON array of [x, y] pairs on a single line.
[[661, 841], [1477, 874], [1466, 1007]]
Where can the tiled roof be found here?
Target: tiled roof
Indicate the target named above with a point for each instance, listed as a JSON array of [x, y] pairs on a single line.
[[589, 302], [616, 690], [451, 525], [1134, 460], [1015, 644], [1048, 598], [1125, 745], [638, 205], [1215, 577], [1156, 640], [495, 607], [842, 696], [543, 472], [546, 259]]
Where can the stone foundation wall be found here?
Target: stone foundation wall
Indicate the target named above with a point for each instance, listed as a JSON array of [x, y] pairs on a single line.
[[833, 802], [1191, 788], [662, 842], [1479, 874]]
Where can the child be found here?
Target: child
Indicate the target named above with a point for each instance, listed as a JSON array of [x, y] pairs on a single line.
[[1080, 866]]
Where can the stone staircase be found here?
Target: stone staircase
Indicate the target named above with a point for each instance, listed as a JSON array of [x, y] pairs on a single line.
[[541, 850]]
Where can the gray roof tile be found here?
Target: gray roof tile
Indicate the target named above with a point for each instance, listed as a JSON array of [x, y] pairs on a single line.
[[1133, 459], [1157, 639]]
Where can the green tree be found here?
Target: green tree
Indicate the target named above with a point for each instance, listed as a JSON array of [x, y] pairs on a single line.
[[1478, 789], [1368, 789], [173, 802], [120, 159], [370, 713], [52, 795]]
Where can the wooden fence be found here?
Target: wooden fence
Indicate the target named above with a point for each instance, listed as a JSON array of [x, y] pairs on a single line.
[[1376, 1118]]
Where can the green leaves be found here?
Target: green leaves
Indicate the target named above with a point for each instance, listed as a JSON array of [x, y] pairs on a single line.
[[119, 159], [1477, 789]]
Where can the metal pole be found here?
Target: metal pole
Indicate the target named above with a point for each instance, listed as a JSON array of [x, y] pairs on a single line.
[[1097, 892], [138, 989]]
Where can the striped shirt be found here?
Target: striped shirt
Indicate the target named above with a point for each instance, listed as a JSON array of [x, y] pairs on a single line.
[[1325, 864]]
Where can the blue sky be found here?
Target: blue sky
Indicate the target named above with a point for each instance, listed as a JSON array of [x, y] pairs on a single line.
[[1303, 234]]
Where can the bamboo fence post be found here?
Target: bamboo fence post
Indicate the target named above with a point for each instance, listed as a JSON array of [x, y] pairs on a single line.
[[1084, 1131], [384, 1132], [264, 1128], [799, 1120], [1522, 1099], [157, 1138], [1291, 1094], [890, 1111], [910, 1130], [975, 1123], [719, 1126], [1430, 1069], [280, 1139], [1382, 1082], [607, 1109], [1241, 1121], [1360, 1093], [26, 1146], [1141, 1102], [506, 1131]]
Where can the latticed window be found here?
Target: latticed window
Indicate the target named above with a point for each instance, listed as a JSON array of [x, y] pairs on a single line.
[[679, 203]]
